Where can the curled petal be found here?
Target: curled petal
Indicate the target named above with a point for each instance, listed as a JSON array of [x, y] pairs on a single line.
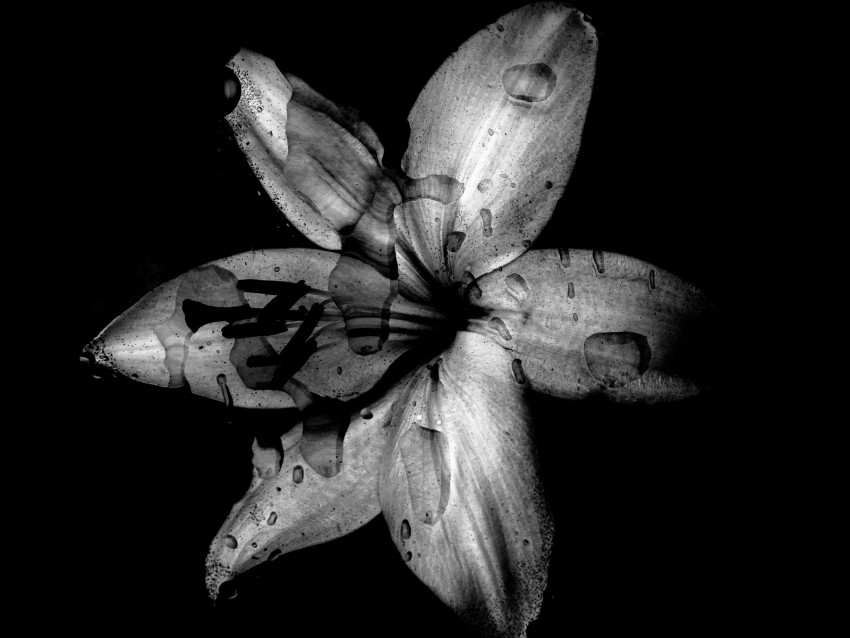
[[300, 507], [494, 136], [581, 322], [318, 162], [460, 491], [376, 285]]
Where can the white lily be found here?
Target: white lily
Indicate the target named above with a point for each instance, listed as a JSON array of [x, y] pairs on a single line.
[[414, 350]]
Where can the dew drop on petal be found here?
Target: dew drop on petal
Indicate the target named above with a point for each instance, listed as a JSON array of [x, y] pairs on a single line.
[[230, 541], [366, 413], [599, 261], [272, 518], [529, 82], [549, 185], [405, 529], [407, 557], [297, 474], [485, 184], [575, 316], [486, 221], [517, 287], [454, 241], [499, 326], [516, 370], [616, 359], [225, 391]]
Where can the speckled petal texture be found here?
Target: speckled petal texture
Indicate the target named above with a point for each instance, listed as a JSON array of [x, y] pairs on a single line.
[[152, 343], [585, 323], [318, 162], [460, 491], [496, 131], [299, 507]]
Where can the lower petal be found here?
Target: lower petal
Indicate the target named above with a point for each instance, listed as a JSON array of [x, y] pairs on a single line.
[[581, 323], [300, 507], [460, 491]]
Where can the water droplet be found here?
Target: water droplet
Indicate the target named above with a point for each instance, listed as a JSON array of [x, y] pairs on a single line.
[[517, 371], [571, 290], [575, 316], [405, 529], [276, 554], [599, 260], [652, 279], [230, 541], [486, 221], [549, 184], [529, 82], [517, 287], [485, 184], [490, 131], [366, 413], [297, 474], [617, 358], [470, 287], [225, 391], [499, 326], [277, 268], [272, 518], [454, 241], [339, 370], [564, 257], [408, 556]]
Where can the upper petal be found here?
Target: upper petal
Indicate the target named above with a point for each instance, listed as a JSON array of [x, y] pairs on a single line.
[[460, 492], [318, 162], [498, 126], [232, 338], [581, 322]]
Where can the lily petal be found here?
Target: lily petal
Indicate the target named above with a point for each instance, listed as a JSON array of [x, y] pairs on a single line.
[[300, 507], [155, 341], [460, 491], [318, 162], [581, 322], [494, 136], [376, 286]]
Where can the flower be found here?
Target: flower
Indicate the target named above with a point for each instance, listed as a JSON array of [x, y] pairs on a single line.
[[411, 353]]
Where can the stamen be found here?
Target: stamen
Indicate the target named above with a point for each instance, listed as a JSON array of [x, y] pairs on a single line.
[[253, 329], [197, 314]]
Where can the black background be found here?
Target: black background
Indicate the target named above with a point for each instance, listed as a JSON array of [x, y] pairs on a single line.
[[653, 505]]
